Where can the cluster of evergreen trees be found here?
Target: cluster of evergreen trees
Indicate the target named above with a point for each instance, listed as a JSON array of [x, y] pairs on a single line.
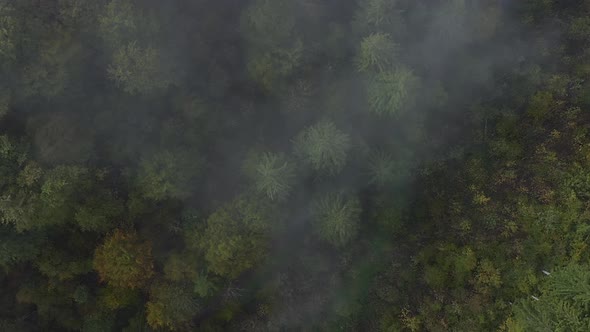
[[269, 165]]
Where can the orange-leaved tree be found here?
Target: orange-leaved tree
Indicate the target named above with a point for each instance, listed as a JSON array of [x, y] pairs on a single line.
[[123, 260]]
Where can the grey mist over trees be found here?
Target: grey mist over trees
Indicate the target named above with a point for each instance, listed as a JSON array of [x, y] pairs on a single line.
[[270, 165]]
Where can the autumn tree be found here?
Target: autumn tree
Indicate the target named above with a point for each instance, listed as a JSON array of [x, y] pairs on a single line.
[[124, 260]]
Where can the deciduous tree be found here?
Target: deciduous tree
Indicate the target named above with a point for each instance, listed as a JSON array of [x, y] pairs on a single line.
[[124, 260]]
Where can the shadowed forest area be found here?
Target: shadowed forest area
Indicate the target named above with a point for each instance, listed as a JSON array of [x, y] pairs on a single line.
[[282, 165]]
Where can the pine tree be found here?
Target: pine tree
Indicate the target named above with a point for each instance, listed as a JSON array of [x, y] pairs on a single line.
[[391, 92], [564, 304], [273, 176], [336, 218], [377, 53], [323, 147]]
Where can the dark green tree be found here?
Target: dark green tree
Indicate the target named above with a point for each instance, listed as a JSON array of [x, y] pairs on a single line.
[[100, 212], [562, 304], [168, 174]]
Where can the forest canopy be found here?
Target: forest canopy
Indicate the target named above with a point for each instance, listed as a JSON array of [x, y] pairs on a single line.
[[281, 165]]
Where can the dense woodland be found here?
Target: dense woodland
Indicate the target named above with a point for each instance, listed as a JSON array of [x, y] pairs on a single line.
[[282, 165]]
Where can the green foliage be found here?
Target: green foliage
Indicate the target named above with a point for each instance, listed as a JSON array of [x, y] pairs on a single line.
[[236, 236], [49, 75], [62, 184], [273, 176], [138, 323], [138, 70], [8, 26], [487, 277], [99, 213], [170, 305], [62, 265], [59, 140], [113, 298], [5, 100], [167, 174], [124, 261], [203, 286], [77, 13], [389, 212], [181, 267], [579, 28], [378, 15], [123, 115], [336, 218], [323, 147], [118, 21], [391, 92], [52, 302], [122, 22], [563, 305], [58, 197], [15, 249], [275, 51], [269, 23], [540, 105], [30, 175], [447, 265], [377, 53], [81, 294], [270, 68], [99, 322]]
